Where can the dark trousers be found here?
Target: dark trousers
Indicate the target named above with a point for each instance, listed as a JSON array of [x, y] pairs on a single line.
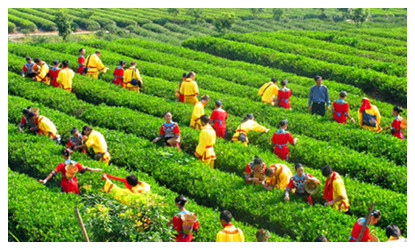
[[318, 108]]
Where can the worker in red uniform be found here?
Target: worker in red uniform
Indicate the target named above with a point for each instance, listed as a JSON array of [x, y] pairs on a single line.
[[178, 94], [119, 74], [81, 61], [68, 168], [27, 70], [53, 73], [396, 127], [357, 228], [184, 228], [32, 126], [280, 141], [340, 109], [284, 95], [219, 117], [76, 140]]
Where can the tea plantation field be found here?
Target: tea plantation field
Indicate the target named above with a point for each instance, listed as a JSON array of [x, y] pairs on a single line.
[[368, 61]]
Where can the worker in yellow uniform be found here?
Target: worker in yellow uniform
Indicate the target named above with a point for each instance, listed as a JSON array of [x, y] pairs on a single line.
[[369, 116], [207, 139], [97, 141], [42, 71], [268, 92], [334, 190], [132, 79], [229, 233], [278, 176], [247, 124], [45, 125], [93, 65], [198, 111], [189, 88], [65, 77]]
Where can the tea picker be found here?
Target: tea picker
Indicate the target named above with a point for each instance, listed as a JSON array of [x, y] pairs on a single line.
[[68, 169], [399, 124], [280, 140], [302, 184], [184, 222], [247, 124]]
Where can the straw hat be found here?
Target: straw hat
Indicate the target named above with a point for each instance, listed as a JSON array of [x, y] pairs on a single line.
[[71, 169], [34, 109], [311, 187]]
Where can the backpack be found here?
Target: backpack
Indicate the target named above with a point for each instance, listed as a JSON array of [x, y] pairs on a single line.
[[368, 120]]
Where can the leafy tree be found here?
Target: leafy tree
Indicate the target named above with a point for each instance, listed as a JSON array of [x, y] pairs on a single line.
[[173, 11], [359, 15], [277, 14], [322, 13], [256, 11], [64, 23], [344, 11], [224, 21], [196, 13]]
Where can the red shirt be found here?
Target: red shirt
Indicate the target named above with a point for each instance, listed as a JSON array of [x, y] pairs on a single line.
[[396, 128], [118, 75], [356, 231], [341, 111], [177, 225], [219, 119], [169, 130], [284, 96], [81, 62], [53, 73], [69, 186], [282, 138]]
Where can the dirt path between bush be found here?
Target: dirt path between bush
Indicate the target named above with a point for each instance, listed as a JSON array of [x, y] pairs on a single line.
[[17, 36]]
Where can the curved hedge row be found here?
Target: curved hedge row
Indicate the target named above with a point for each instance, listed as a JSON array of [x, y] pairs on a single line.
[[82, 23], [176, 171], [338, 48], [41, 23], [26, 159], [22, 23], [353, 42], [391, 87], [319, 54], [231, 157], [11, 27]]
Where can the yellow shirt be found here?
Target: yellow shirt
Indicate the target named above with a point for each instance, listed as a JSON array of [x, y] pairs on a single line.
[[198, 111], [94, 64], [125, 195], [189, 88], [339, 190], [207, 140], [47, 127], [230, 234], [246, 127], [42, 76], [97, 141], [65, 78], [130, 74], [281, 178], [373, 111], [269, 93]]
